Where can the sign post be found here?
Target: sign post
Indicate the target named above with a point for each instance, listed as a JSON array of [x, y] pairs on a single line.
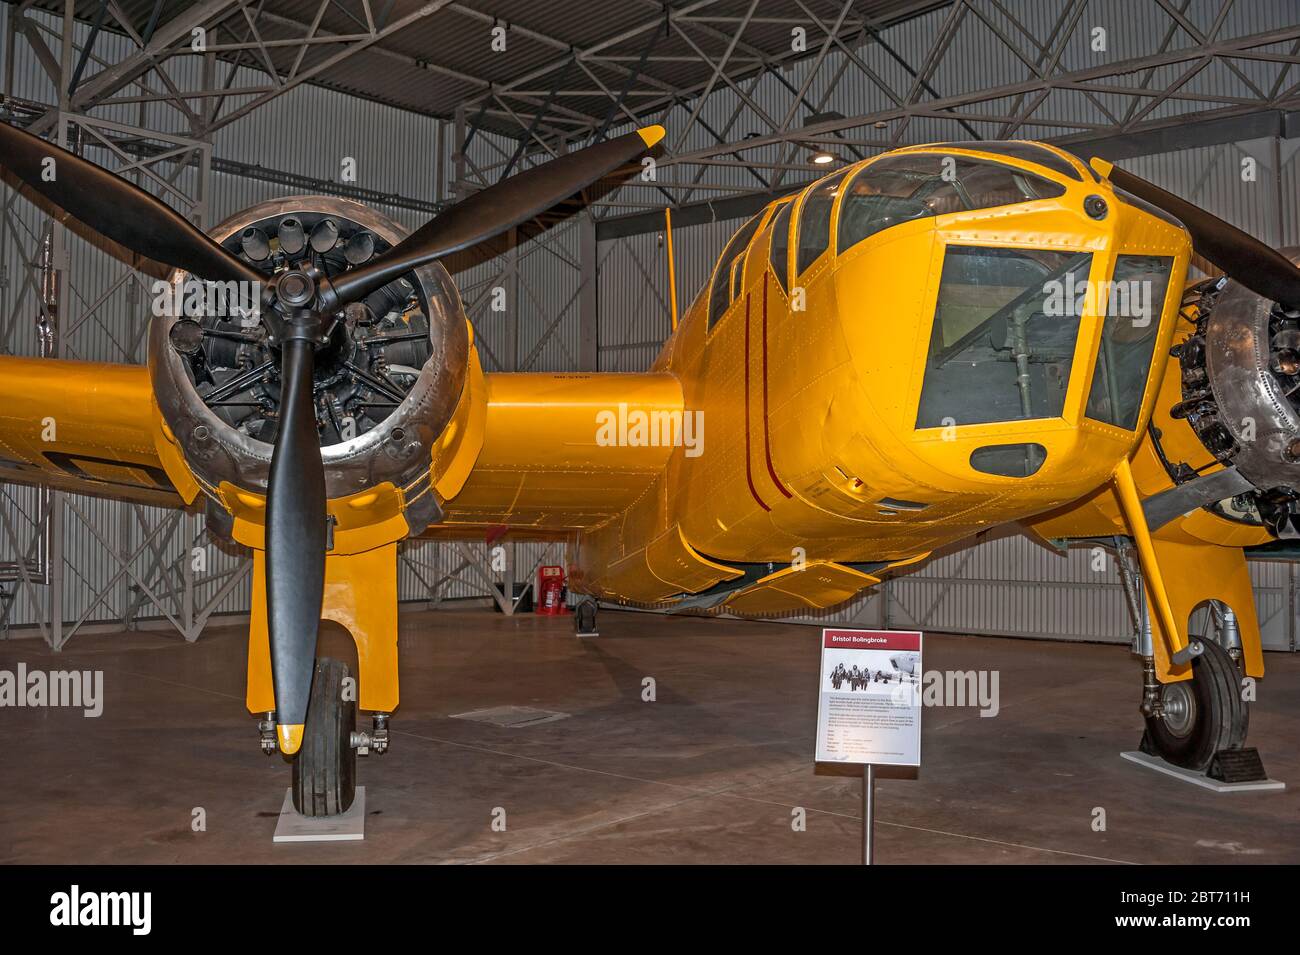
[[869, 708], [868, 813]]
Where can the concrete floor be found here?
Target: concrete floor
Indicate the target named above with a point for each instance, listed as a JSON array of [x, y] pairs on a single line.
[[710, 772]]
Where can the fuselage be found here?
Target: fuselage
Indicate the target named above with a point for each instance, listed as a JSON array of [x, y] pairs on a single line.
[[903, 354]]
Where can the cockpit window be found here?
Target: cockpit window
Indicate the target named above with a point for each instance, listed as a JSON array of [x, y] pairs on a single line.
[[1023, 150], [1005, 328], [1134, 301], [720, 296], [779, 252], [815, 222], [901, 188]]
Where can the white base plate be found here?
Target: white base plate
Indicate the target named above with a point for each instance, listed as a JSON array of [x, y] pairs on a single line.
[[1200, 779], [345, 827]]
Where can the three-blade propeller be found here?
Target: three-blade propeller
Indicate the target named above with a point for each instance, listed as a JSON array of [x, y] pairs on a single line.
[[295, 306]]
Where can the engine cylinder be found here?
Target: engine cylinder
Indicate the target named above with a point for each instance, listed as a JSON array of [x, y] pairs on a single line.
[[385, 385]]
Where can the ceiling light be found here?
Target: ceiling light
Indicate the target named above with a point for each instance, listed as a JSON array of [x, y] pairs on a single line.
[[822, 157]]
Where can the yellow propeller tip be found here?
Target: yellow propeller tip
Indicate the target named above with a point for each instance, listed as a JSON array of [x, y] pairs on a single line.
[[651, 134], [1101, 167], [290, 737]]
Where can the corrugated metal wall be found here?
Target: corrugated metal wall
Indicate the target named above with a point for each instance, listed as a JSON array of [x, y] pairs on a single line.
[[1003, 586]]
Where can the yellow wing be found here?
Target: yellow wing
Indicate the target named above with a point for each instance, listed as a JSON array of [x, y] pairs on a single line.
[[85, 427], [557, 454]]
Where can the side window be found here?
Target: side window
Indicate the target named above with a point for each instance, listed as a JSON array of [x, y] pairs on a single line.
[[720, 294], [815, 222], [1128, 338], [780, 252]]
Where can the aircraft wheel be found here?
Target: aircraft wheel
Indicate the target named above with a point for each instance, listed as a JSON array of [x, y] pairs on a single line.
[[325, 768], [584, 618], [1202, 715]]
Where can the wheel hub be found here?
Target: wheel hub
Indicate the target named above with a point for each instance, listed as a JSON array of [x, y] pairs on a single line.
[[1178, 707]]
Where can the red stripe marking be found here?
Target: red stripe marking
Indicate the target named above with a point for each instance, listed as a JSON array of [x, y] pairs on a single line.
[[767, 444], [749, 476]]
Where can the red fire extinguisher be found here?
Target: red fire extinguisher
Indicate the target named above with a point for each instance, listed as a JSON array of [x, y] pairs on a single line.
[[550, 591]]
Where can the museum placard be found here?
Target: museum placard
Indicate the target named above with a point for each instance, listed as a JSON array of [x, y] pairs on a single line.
[[869, 697]]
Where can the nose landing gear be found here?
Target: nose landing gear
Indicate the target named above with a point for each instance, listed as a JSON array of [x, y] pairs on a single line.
[[325, 768]]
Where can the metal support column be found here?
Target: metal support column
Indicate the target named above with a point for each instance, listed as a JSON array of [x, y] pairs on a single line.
[[588, 295]]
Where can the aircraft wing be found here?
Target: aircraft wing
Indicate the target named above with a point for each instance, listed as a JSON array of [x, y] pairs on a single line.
[[84, 427], [565, 452]]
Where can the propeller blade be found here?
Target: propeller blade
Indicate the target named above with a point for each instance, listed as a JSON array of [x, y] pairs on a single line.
[[495, 210], [1242, 257], [295, 543], [116, 209]]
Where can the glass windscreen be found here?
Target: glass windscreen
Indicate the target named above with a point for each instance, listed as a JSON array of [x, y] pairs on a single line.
[[1005, 326], [720, 296], [815, 223], [1021, 149], [1134, 300], [897, 189], [779, 252]]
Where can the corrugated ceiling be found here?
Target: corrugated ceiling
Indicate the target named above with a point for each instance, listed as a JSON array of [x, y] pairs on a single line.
[[435, 64]]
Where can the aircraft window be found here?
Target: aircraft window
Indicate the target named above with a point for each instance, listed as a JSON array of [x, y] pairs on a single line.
[[1005, 328], [901, 188], [737, 277], [1128, 338], [720, 296], [815, 222], [779, 255], [1022, 150]]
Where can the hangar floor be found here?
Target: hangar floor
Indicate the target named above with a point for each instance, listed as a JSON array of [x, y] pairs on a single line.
[[709, 772]]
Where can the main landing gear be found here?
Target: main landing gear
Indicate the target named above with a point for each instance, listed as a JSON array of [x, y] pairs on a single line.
[[584, 618], [1200, 724], [1188, 722], [324, 770]]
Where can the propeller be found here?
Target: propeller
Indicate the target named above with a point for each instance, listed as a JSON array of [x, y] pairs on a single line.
[[298, 304], [117, 209], [295, 540], [1243, 257], [495, 210]]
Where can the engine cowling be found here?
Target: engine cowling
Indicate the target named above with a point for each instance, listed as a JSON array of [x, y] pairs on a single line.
[[386, 384]]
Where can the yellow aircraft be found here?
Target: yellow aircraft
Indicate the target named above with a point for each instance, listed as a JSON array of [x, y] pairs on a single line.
[[921, 346]]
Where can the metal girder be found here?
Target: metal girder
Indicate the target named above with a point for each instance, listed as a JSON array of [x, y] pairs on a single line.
[[113, 78], [362, 42], [1007, 107]]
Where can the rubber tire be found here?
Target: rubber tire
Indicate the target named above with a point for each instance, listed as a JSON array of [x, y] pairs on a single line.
[[584, 616], [325, 768], [1222, 717]]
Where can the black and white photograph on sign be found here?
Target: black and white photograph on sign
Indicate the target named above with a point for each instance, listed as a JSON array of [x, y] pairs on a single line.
[[869, 703], [864, 670]]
